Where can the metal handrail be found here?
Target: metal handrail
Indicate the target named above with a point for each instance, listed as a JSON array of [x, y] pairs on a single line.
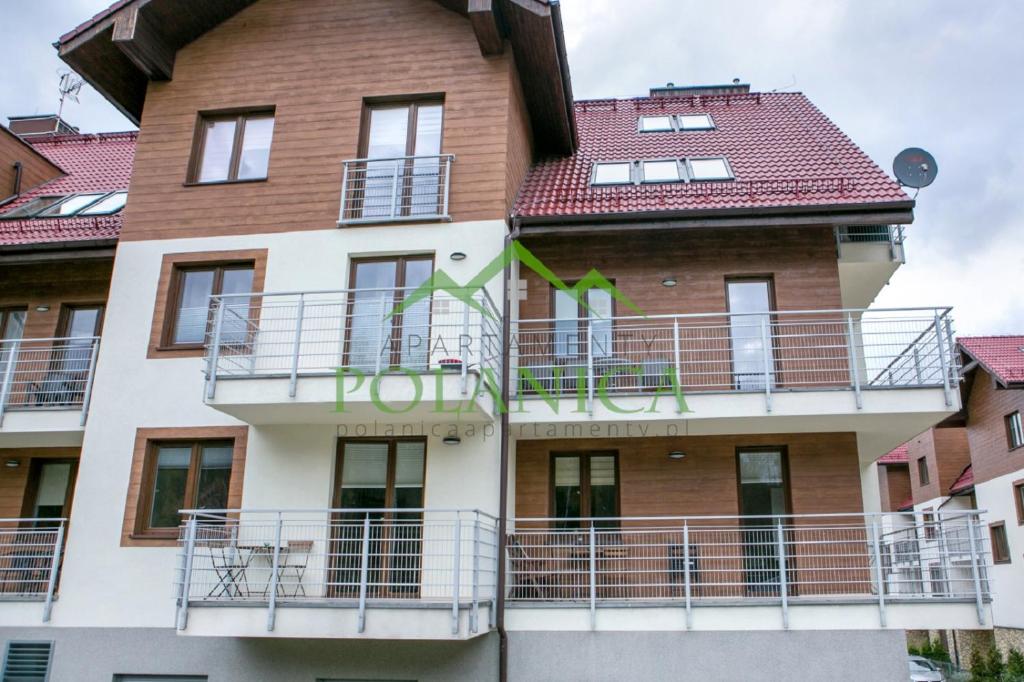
[[403, 188], [47, 373], [30, 559], [343, 558], [691, 561]]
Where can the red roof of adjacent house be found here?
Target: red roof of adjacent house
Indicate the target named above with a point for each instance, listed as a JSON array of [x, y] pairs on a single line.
[[898, 455], [963, 482], [908, 504], [783, 151], [1002, 356], [92, 163]]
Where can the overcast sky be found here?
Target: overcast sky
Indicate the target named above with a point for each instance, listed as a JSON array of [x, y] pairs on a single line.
[[943, 75]]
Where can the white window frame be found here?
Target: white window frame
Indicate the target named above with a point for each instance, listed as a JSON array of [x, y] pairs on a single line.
[[1015, 430], [679, 123], [681, 172], [668, 117], [598, 164], [693, 176], [54, 210]]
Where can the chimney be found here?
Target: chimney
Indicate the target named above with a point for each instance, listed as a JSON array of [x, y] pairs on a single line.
[[673, 90], [40, 125]]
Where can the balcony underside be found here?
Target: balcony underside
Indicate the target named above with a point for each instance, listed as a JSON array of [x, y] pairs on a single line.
[[861, 280], [394, 398], [886, 418], [46, 427]]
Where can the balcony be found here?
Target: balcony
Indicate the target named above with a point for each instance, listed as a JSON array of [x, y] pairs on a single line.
[[30, 559], [327, 357], [869, 255], [741, 372], [407, 188], [833, 571], [380, 573], [45, 386]]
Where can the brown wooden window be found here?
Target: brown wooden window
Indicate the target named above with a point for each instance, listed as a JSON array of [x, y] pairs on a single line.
[[584, 485], [188, 321], [182, 475], [1000, 543], [232, 147], [1018, 499], [572, 318], [928, 519], [1014, 430], [922, 471], [752, 363]]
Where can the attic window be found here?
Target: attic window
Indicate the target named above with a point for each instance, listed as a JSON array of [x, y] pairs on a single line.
[[71, 205], [615, 173], [695, 122], [33, 206], [661, 171], [655, 124], [714, 168], [112, 203]]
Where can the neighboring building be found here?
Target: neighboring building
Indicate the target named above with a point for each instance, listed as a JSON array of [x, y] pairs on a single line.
[[993, 398], [297, 465]]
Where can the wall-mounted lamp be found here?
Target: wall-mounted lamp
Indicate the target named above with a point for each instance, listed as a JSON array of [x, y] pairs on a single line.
[[42, 308], [669, 282], [677, 454], [12, 464], [451, 440], [457, 255]]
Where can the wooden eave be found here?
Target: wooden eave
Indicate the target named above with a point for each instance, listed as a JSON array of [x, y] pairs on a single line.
[[134, 41]]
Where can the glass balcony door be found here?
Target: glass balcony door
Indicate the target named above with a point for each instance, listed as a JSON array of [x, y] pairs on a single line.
[[763, 494], [750, 332]]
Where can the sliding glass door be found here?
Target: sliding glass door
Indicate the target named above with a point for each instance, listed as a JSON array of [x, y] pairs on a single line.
[[763, 496], [750, 332]]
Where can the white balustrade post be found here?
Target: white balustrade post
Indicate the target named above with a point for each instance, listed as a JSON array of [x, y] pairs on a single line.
[[464, 349], [300, 312], [975, 569], [783, 582], [364, 569], [9, 370], [274, 575], [593, 576], [766, 350], [851, 345], [940, 343], [51, 583], [87, 395], [590, 365], [344, 191], [876, 548], [686, 575], [218, 324], [677, 354], [456, 577], [186, 575]]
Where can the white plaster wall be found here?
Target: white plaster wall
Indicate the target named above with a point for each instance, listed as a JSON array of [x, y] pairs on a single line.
[[996, 497], [104, 584]]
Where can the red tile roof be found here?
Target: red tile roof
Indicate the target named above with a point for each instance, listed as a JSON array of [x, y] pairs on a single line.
[[964, 482], [908, 504], [783, 152], [1001, 356], [100, 162], [898, 455]]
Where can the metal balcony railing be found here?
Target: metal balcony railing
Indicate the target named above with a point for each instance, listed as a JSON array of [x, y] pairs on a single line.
[[344, 558], [893, 235], [41, 374], [402, 188], [769, 352], [722, 560], [366, 330], [30, 558]]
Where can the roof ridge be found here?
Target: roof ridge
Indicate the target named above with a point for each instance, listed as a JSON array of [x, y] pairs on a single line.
[[83, 137]]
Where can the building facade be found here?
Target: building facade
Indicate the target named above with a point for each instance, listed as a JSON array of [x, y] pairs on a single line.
[[414, 368]]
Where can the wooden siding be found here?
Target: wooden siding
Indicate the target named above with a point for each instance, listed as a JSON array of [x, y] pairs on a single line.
[[520, 142], [801, 261], [316, 61], [894, 482], [13, 481], [947, 453], [823, 468], [143, 437], [52, 284], [986, 429], [36, 169]]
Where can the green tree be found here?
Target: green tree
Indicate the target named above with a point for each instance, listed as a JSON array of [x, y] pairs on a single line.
[[994, 663], [938, 652], [979, 667], [1014, 666]]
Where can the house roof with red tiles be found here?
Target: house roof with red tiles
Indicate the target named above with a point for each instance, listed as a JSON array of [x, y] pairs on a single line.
[[964, 482], [784, 153], [91, 163], [1001, 356], [908, 504], [897, 455]]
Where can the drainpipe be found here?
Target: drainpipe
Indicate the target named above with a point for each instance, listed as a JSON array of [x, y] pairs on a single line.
[[16, 190], [506, 338]]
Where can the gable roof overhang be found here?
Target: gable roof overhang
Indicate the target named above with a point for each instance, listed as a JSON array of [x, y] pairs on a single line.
[[132, 42]]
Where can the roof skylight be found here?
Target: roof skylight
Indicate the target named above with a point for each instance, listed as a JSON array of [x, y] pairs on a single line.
[[614, 173]]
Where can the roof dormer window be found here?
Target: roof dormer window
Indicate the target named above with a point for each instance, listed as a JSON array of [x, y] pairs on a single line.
[[661, 171], [71, 205], [612, 173], [695, 122], [656, 124]]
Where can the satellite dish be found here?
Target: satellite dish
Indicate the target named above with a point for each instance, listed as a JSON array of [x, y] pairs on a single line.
[[914, 167]]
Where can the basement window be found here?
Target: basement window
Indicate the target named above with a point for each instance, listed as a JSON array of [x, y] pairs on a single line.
[[614, 173], [695, 122], [661, 171], [655, 124], [712, 168]]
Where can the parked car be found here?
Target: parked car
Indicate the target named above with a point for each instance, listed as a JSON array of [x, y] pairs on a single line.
[[923, 670]]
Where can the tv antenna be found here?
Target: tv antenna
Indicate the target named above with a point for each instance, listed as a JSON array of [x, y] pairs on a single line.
[[914, 167], [69, 87]]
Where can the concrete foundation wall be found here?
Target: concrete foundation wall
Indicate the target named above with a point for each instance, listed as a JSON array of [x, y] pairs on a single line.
[[878, 655], [97, 654]]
